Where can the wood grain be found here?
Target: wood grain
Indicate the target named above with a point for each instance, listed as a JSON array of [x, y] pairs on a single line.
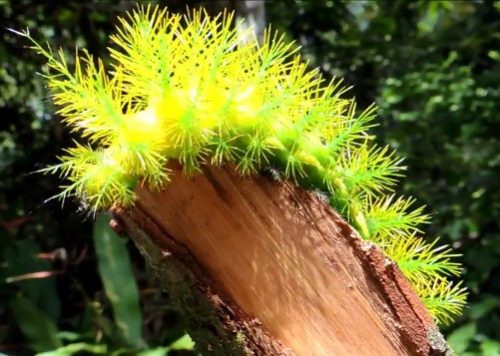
[[285, 258]]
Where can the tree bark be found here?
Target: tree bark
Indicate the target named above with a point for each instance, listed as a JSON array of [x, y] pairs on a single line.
[[261, 267]]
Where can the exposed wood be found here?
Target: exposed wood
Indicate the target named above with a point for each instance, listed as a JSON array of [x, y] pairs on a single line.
[[276, 269], [217, 325]]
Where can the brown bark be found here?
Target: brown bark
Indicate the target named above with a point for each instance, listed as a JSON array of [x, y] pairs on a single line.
[[266, 268]]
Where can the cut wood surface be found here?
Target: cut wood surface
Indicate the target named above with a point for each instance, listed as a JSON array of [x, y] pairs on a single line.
[[284, 273]]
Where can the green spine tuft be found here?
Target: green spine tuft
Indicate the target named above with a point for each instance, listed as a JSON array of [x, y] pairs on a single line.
[[191, 88]]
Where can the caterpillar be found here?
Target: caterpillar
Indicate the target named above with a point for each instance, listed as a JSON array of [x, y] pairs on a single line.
[[192, 88]]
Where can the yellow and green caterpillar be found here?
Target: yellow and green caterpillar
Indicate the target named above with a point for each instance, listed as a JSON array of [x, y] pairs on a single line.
[[193, 89]]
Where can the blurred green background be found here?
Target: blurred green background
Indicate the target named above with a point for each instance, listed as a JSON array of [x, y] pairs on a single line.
[[69, 286]]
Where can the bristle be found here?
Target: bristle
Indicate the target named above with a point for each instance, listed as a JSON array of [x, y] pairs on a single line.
[[192, 88]]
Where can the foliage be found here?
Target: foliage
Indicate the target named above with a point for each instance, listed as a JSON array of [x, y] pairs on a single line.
[[118, 282]]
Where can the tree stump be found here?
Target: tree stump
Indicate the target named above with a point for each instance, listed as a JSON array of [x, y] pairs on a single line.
[[258, 266]]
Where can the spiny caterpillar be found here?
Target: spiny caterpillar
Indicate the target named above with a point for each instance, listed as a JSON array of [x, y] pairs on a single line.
[[192, 88]]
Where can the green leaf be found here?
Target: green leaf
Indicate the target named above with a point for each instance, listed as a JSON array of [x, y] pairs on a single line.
[[490, 348], [183, 343], [68, 336], [159, 351], [118, 279], [461, 338], [72, 349], [480, 309], [38, 329]]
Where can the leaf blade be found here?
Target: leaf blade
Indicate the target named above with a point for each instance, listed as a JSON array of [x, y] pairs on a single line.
[[118, 280], [39, 330]]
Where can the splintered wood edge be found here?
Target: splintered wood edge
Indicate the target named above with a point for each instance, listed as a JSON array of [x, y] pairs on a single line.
[[230, 331], [402, 308]]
